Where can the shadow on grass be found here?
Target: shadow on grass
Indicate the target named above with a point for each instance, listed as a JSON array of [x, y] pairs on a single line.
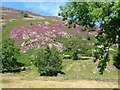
[[84, 58]]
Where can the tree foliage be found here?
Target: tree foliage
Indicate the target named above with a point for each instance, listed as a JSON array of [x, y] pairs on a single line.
[[107, 14], [10, 54], [75, 55], [24, 14], [48, 62], [71, 45]]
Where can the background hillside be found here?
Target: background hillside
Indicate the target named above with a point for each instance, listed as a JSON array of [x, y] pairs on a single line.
[[31, 32], [35, 31]]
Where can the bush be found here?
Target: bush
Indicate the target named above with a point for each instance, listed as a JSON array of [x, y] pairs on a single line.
[[48, 62], [24, 14], [10, 54], [71, 45], [75, 55]]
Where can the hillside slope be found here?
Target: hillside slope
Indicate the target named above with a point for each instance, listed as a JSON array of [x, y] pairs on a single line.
[[35, 31]]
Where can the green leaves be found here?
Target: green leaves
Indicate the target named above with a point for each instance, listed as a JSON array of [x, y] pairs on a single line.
[[10, 54], [48, 62], [87, 13]]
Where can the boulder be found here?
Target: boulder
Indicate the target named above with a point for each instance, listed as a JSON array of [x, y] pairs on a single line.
[[67, 57], [25, 36]]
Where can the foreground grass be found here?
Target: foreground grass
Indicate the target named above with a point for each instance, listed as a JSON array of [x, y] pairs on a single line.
[[81, 68], [17, 81], [86, 69]]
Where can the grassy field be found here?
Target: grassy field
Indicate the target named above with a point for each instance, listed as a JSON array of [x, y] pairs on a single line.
[[87, 69], [17, 81], [80, 68]]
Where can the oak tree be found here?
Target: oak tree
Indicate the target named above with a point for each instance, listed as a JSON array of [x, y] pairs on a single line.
[[87, 14]]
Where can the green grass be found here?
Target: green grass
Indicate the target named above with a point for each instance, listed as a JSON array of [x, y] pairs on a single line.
[[32, 72], [79, 68], [17, 23], [25, 59], [11, 25], [47, 19], [83, 68], [5, 81]]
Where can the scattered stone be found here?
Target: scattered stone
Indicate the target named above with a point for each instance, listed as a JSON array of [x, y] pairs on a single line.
[[111, 49], [66, 56], [33, 34], [95, 70], [23, 44], [47, 23], [77, 69], [3, 25], [25, 36]]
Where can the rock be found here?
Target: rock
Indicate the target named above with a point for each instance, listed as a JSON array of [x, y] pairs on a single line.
[[100, 46], [66, 57], [47, 23], [111, 49], [33, 34], [38, 47], [45, 27], [3, 25], [50, 45], [42, 43], [59, 46], [23, 44], [25, 36], [53, 30], [23, 68], [77, 69], [23, 51], [95, 70]]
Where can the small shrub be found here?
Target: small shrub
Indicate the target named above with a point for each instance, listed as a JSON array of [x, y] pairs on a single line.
[[10, 54], [24, 14], [75, 43], [75, 55], [48, 62]]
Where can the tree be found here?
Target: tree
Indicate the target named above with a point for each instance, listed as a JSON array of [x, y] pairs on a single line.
[[75, 55], [73, 44], [10, 54], [87, 14], [24, 14], [48, 62]]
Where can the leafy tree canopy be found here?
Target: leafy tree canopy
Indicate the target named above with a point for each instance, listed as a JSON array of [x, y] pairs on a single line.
[[48, 62], [107, 14], [10, 54]]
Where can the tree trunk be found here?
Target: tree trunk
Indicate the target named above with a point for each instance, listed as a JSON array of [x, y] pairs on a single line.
[[119, 42], [117, 58]]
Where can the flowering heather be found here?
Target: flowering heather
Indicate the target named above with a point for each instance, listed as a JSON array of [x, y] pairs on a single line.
[[39, 31]]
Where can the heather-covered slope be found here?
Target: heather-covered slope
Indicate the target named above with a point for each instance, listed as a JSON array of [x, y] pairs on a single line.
[[35, 31]]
